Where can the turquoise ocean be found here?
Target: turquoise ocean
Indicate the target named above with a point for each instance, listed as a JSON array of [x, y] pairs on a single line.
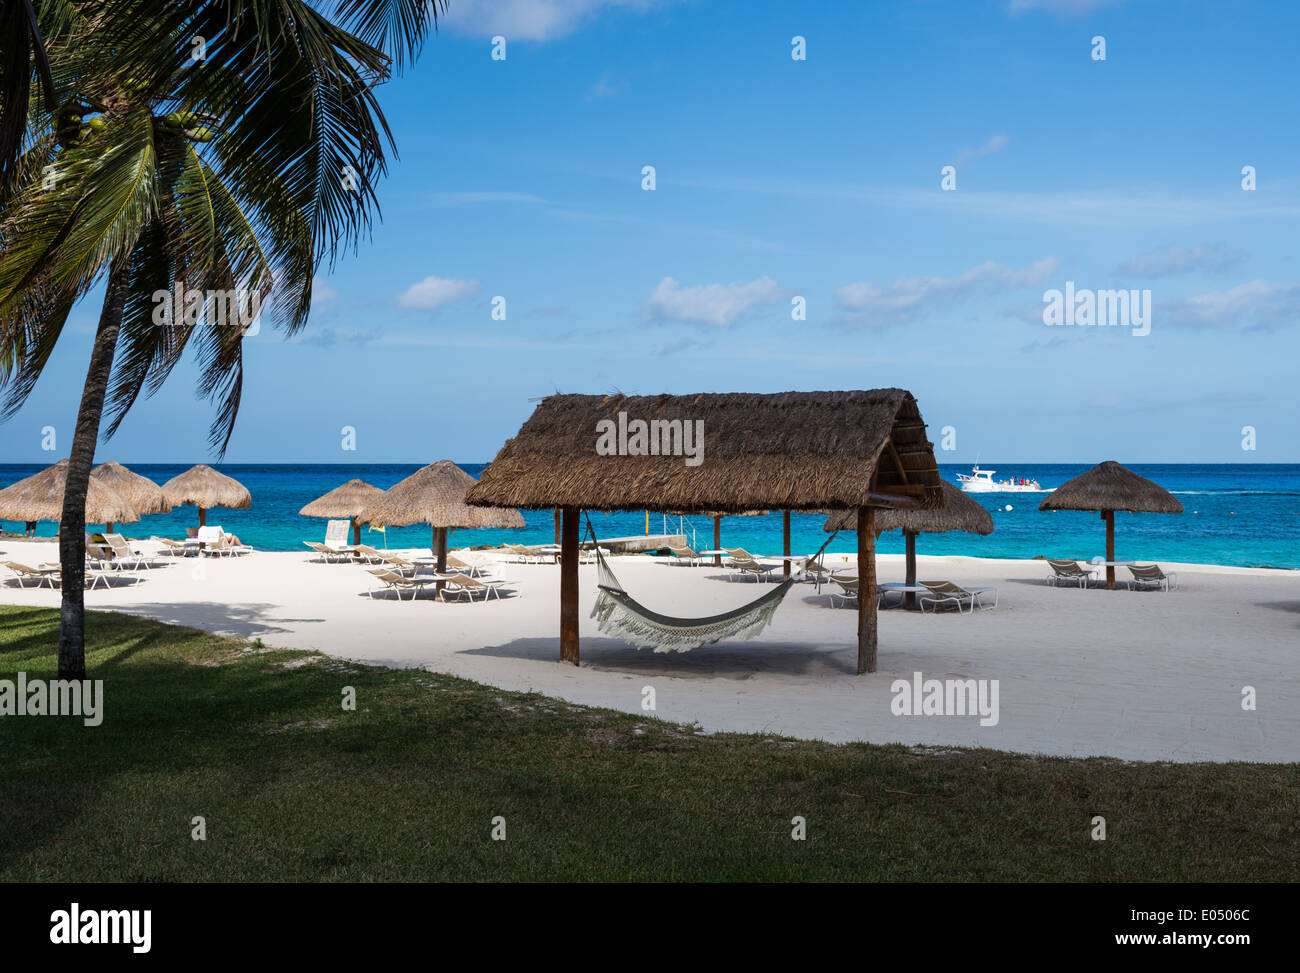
[[1239, 514]]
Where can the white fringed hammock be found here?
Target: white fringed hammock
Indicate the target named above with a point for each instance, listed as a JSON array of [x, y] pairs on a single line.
[[620, 615]]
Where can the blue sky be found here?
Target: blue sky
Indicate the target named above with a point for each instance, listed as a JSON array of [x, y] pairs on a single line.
[[777, 179]]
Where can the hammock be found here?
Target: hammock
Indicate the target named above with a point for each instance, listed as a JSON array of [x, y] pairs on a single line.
[[619, 614]]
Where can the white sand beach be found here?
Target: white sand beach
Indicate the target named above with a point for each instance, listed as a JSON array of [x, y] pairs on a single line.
[[1134, 675]]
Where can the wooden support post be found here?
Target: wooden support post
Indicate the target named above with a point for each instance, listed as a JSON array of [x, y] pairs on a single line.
[[1109, 517], [203, 517], [909, 600], [569, 585], [717, 541], [439, 550], [356, 532], [866, 590], [557, 525], [785, 540]]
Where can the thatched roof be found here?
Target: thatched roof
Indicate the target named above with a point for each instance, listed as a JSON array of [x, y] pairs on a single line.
[[435, 495], [959, 512], [142, 493], [204, 487], [1109, 486], [786, 451], [40, 497], [347, 500]]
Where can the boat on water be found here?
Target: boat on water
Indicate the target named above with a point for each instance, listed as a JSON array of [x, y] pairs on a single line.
[[981, 481]]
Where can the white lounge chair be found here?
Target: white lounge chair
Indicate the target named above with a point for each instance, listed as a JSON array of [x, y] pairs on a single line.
[[947, 593], [399, 583], [461, 584], [684, 555], [1068, 572], [1149, 576]]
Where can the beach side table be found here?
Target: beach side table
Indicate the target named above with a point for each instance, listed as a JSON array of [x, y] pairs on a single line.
[[899, 587]]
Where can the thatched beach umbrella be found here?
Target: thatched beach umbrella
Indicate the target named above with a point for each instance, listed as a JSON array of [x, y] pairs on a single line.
[[347, 501], [40, 497], [143, 494], [1109, 487], [435, 495], [206, 488], [959, 512]]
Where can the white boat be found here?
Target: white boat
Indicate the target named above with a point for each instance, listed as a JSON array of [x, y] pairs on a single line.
[[981, 481]]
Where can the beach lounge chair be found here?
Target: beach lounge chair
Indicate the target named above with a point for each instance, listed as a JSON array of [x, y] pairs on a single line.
[[1149, 576], [684, 555], [587, 554], [44, 574], [748, 565], [365, 554], [1068, 572], [457, 566], [461, 584], [848, 585], [174, 548], [947, 593], [398, 564], [328, 553], [399, 583], [123, 554]]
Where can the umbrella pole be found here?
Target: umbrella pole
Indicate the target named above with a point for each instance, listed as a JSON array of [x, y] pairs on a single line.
[[785, 540], [356, 532], [717, 541], [558, 535], [1109, 517], [909, 599], [203, 517], [866, 590], [569, 586]]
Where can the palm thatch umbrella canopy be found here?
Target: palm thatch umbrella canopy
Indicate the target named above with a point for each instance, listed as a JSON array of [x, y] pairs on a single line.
[[959, 512], [802, 451], [206, 488], [1109, 487], [40, 497], [347, 501], [435, 495], [142, 493]]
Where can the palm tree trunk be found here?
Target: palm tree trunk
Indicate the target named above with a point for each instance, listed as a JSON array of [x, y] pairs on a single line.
[[72, 527]]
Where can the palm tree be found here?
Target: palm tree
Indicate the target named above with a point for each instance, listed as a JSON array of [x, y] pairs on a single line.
[[240, 171]]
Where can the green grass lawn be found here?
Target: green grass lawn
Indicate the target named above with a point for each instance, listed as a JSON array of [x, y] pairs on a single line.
[[405, 787]]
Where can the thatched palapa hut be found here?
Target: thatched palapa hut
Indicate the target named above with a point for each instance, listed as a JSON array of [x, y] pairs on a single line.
[[959, 512], [787, 451], [206, 488], [348, 500], [143, 494], [40, 497], [1109, 487], [435, 495]]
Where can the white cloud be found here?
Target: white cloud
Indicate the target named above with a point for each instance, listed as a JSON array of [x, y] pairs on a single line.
[[433, 292], [869, 303], [1058, 6], [322, 294], [995, 143], [718, 305], [529, 20], [1256, 305], [606, 86], [1180, 260]]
